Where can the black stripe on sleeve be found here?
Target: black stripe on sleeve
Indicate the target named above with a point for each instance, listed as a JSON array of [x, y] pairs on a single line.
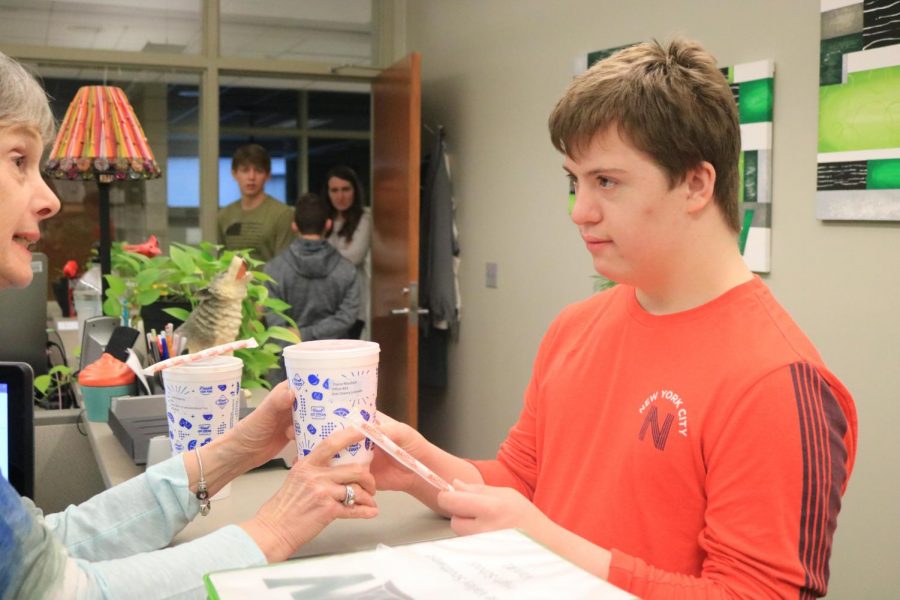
[[822, 429]]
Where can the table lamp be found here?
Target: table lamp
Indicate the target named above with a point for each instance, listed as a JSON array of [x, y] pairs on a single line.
[[101, 139]]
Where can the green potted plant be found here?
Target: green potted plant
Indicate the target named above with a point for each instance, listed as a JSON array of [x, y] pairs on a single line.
[[139, 281]]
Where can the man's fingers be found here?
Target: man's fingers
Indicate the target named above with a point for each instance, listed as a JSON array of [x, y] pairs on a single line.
[[464, 525], [463, 504]]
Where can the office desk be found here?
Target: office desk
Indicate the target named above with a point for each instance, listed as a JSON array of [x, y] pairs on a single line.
[[402, 518]]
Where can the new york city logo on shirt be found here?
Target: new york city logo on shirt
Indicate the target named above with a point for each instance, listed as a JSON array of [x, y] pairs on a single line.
[[663, 402]]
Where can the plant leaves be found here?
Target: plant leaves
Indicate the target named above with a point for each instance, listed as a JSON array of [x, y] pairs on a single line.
[[115, 286], [182, 259], [42, 383], [261, 276], [283, 334], [179, 313], [112, 307], [275, 304], [145, 297], [147, 278]]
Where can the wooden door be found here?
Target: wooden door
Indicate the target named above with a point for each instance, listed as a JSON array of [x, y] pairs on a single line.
[[397, 115]]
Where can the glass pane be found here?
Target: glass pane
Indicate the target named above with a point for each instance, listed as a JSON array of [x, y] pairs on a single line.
[[339, 110], [258, 107], [161, 26], [325, 153], [282, 185], [166, 207], [331, 31]]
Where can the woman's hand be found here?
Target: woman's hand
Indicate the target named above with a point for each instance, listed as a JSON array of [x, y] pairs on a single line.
[[252, 442], [311, 498], [475, 508]]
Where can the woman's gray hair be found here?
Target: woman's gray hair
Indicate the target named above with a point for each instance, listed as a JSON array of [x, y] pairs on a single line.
[[23, 101]]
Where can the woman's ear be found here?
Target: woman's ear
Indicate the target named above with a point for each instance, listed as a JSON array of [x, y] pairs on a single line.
[[701, 183]]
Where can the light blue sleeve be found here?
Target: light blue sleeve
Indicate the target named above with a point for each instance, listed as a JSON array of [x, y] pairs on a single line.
[[107, 547], [169, 573], [141, 514], [114, 539]]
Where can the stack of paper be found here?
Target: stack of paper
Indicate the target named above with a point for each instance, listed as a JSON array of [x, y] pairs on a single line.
[[498, 565]]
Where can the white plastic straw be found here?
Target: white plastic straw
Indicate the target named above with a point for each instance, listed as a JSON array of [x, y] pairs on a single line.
[[188, 358]]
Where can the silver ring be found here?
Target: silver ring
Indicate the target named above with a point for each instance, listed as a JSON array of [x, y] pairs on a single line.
[[349, 496]]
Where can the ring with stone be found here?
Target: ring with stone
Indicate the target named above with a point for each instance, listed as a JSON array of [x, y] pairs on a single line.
[[349, 496]]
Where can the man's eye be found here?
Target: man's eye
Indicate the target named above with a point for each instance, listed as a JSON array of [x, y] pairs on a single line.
[[19, 161], [605, 183]]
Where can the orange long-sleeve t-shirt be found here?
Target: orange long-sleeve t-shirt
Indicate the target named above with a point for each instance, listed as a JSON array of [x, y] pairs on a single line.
[[708, 449]]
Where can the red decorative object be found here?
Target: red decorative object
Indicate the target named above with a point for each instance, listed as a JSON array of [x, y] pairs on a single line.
[[150, 248], [70, 269]]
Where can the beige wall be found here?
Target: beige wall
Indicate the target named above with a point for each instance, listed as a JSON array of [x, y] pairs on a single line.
[[491, 74]]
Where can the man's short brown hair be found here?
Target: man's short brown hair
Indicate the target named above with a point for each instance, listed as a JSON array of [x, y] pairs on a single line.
[[672, 103], [253, 155], [311, 214]]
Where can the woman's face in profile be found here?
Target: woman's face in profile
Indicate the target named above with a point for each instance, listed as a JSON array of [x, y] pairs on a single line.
[[340, 192], [25, 201]]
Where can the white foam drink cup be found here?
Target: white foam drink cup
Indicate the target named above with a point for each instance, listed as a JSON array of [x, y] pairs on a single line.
[[333, 381], [202, 402]]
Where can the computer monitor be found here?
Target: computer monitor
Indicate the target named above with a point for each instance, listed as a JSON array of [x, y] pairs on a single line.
[[23, 320], [17, 426]]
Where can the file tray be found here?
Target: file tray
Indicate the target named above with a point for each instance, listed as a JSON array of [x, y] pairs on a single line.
[[136, 419]]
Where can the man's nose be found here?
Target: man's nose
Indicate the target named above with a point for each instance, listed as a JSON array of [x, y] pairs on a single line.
[[586, 209]]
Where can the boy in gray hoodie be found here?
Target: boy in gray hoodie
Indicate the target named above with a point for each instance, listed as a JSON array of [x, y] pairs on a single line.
[[321, 286]]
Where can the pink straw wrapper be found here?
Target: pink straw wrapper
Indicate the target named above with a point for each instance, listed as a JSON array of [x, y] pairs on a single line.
[[189, 358]]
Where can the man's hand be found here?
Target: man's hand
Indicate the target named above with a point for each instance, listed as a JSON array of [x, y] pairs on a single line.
[[388, 473], [475, 508]]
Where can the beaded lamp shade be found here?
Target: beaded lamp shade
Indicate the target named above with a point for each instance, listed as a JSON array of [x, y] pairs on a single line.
[[100, 137]]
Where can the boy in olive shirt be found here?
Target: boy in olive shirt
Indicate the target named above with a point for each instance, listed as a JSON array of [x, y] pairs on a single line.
[[257, 220]]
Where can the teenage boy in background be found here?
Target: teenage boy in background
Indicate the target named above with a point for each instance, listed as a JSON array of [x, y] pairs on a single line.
[[321, 286], [681, 437], [256, 220]]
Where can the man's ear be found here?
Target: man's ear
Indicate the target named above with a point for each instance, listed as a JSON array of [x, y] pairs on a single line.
[[328, 225], [701, 184], [294, 227]]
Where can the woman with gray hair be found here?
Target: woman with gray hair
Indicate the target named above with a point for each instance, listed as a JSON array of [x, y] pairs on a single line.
[[114, 545]]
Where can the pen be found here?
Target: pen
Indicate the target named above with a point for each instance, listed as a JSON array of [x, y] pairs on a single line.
[[165, 349]]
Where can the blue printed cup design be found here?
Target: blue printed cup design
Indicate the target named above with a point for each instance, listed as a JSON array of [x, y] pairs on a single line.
[[198, 412], [324, 401]]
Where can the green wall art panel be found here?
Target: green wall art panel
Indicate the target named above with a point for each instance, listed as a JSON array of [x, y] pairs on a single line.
[[858, 173], [753, 86]]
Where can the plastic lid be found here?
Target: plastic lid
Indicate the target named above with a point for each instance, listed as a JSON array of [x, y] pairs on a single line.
[[332, 349], [207, 366], [106, 371]]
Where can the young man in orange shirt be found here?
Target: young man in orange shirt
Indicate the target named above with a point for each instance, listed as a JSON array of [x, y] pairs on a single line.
[[681, 437]]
